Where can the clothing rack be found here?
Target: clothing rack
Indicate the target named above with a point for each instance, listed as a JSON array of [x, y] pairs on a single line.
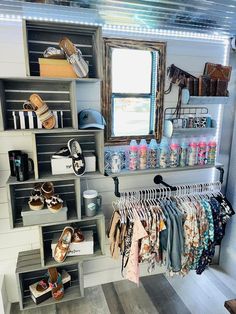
[[158, 179]]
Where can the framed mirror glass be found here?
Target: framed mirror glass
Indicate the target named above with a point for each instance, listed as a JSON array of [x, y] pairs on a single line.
[[133, 89]]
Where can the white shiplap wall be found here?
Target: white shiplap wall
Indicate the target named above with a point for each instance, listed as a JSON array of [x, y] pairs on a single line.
[[190, 55]]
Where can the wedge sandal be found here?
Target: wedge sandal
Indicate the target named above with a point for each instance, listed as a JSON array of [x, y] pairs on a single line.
[[42, 111], [74, 57], [54, 203], [55, 282], [63, 244], [47, 189], [36, 202]]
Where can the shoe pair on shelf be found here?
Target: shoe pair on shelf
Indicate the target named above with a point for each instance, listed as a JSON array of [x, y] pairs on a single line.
[[69, 234], [74, 151], [52, 279], [42, 194], [73, 55]]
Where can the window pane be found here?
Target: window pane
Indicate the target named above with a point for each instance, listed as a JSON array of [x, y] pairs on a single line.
[[131, 116], [131, 71]]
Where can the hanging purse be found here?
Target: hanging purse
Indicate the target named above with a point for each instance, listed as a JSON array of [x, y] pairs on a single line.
[[178, 77]]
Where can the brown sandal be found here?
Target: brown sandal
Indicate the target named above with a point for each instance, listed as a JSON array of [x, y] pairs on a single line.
[[74, 56], [47, 189], [77, 236], [42, 111], [54, 203], [55, 282], [63, 244]]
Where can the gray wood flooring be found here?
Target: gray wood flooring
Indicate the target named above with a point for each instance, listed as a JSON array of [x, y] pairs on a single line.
[[157, 294]]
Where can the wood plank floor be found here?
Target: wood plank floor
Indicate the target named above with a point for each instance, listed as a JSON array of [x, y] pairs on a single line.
[[157, 294]]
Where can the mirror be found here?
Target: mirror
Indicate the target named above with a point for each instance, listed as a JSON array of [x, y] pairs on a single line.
[[133, 89]]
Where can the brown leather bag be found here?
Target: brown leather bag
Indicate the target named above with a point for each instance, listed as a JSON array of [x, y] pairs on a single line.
[[217, 71], [221, 88], [204, 85]]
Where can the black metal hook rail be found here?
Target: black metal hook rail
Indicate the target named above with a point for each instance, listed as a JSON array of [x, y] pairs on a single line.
[[158, 179]]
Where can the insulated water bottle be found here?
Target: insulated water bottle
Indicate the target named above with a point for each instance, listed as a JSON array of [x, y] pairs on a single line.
[[133, 155], [183, 154], [192, 153], [211, 152], [174, 154], [164, 153], [153, 154], [143, 154], [202, 152]]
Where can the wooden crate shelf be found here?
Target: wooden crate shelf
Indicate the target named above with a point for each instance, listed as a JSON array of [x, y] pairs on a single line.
[[47, 233], [19, 193], [41, 35], [46, 145], [29, 271], [59, 96]]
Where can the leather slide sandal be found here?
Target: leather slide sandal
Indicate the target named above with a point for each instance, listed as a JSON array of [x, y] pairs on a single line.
[[63, 244], [78, 236], [55, 282], [78, 161], [74, 57], [41, 109]]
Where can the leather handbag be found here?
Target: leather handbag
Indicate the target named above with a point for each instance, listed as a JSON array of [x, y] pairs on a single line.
[[221, 88], [204, 85], [178, 77], [217, 71], [213, 87]]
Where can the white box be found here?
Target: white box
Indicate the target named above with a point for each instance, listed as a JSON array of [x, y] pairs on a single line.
[[80, 248], [64, 165]]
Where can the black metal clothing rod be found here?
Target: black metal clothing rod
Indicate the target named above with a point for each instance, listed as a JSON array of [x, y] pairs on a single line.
[[158, 179]]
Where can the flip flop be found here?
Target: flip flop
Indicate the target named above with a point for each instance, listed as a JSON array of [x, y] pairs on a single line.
[[78, 161], [42, 111], [74, 56]]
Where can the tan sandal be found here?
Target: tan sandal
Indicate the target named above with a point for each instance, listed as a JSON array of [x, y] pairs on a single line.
[[63, 244], [42, 111], [36, 202], [74, 56]]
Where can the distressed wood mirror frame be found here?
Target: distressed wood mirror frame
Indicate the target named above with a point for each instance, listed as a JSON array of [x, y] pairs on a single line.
[[111, 43]]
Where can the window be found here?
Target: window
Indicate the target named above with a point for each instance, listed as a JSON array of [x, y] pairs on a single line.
[[133, 89]]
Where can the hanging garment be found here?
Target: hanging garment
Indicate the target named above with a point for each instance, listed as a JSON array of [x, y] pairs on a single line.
[[180, 232]]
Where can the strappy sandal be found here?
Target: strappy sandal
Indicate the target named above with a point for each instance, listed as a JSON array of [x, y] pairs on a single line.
[[74, 57], [77, 236], [41, 109], [55, 282], [63, 244], [78, 161], [54, 203], [47, 189], [42, 285], [36, 202]]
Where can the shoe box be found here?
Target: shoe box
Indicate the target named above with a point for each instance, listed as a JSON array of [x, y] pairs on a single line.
[[64, 165], [85, 247]]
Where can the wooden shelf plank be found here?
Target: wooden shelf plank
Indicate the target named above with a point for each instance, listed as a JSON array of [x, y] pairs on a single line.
[[71, 293], [155, 171]]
